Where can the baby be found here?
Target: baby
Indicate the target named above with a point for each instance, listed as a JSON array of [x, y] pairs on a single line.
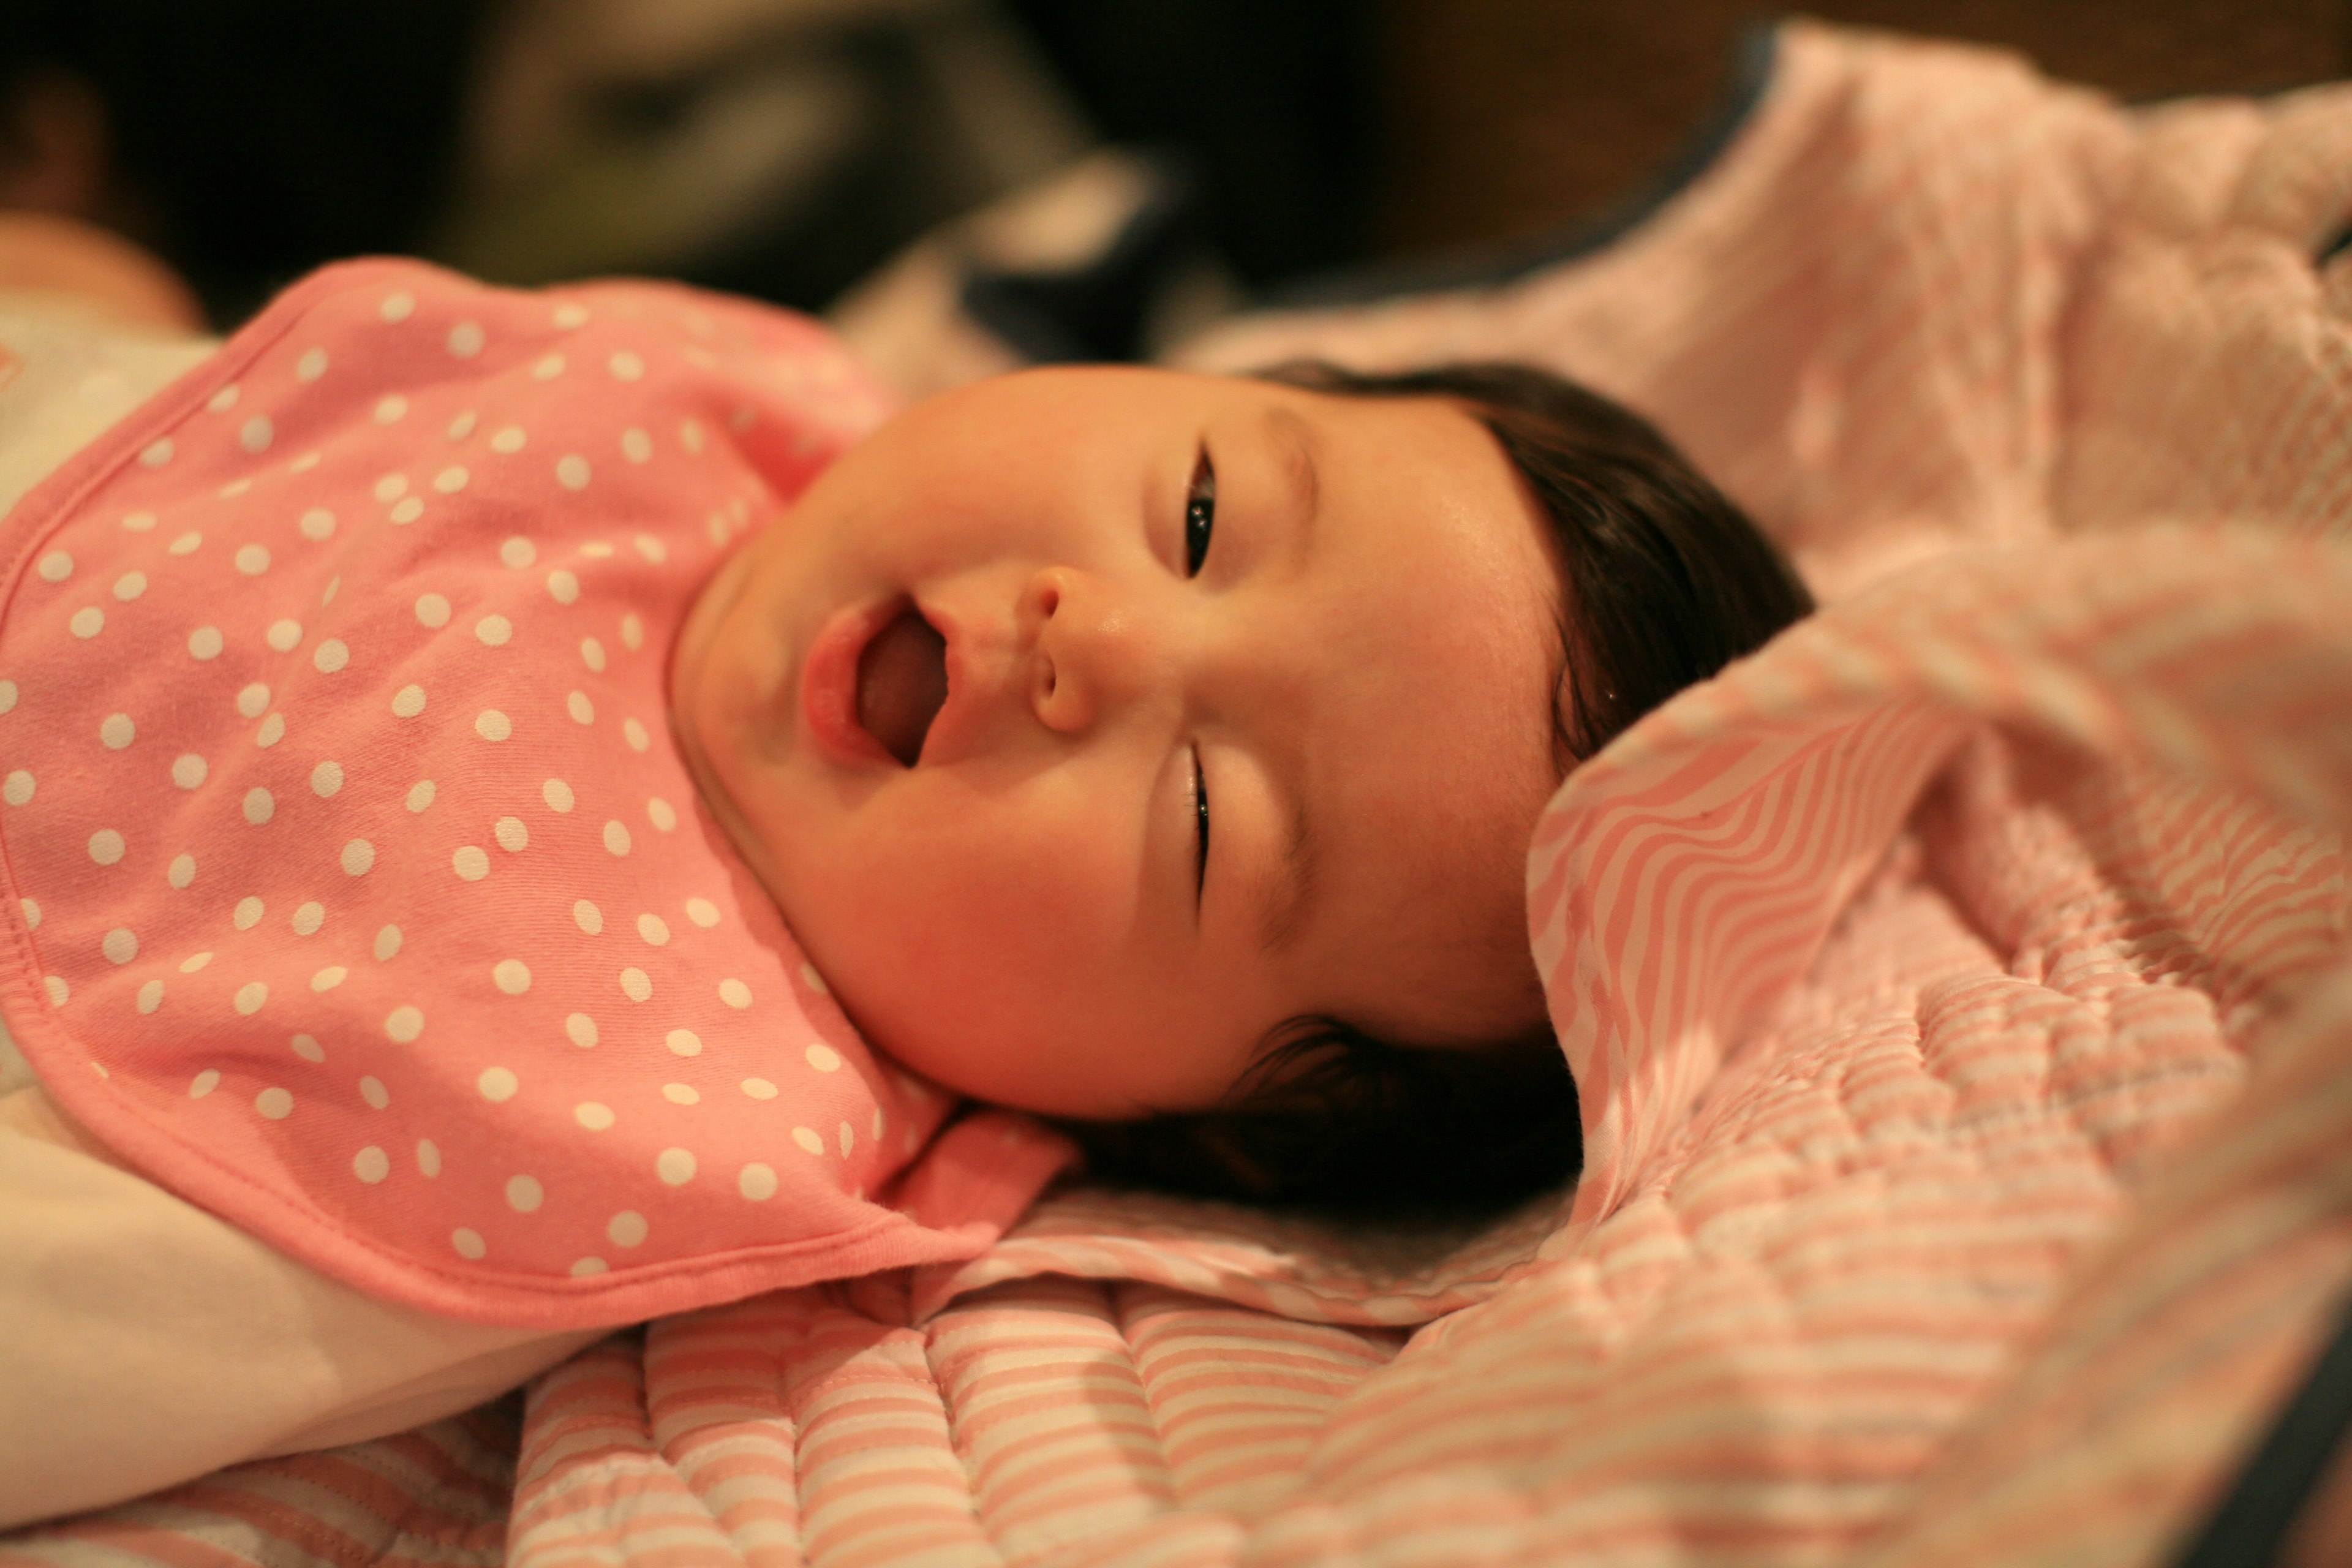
[[1154, 753]]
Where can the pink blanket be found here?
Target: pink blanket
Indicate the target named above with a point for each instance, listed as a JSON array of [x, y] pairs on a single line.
[[1957, 988]]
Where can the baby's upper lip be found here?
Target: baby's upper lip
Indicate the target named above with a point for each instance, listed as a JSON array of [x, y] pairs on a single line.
[[951, 735]]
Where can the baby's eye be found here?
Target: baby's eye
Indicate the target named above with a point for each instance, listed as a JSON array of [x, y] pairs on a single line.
[[1200, 825], [1200, 514]]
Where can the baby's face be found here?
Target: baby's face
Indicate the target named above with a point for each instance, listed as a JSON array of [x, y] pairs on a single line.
[[1246, 696]]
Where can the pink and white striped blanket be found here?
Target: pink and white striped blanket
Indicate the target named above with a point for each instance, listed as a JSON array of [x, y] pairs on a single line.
[[1958, 988]]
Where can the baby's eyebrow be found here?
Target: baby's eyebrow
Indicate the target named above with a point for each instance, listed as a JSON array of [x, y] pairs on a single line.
[[1294, 438], [1289, 894]]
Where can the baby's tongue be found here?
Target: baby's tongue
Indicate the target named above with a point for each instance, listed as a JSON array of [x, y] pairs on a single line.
[[902, 679]]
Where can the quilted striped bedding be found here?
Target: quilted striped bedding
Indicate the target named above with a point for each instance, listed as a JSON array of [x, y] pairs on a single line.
[[1957, 989]]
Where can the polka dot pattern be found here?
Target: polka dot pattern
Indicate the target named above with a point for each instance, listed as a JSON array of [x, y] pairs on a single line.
[[337, 789]]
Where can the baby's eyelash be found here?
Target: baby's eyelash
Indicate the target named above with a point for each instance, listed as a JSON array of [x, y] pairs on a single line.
[[1201, 814], [1200, 514]]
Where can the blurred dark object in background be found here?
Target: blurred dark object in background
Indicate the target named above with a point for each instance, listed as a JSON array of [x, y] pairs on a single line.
[[244, 141], [1271, 105], [1503, 120]]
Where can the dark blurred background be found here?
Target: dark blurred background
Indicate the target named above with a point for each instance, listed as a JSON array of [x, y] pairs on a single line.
[[785, 148]]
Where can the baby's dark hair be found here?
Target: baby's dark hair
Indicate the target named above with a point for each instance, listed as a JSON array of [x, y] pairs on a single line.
[[1663, 583]]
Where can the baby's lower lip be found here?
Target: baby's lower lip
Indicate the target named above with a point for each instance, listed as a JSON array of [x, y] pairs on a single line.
[[829, 683]]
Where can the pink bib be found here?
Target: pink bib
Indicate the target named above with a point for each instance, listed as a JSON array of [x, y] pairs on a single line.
[[356, 890]]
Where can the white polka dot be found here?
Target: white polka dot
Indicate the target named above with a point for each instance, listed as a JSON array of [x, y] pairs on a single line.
[[151, 996], [637, 446], [684, 1043], [194, 961], [634, 734], [632, 633], [331, 656], [524, 1194], [257, 433], [106, 846], [312, 366], [562, 587], [156, 453], [758, 1089], [407, 703], [518, 552], [318, 524], [807, 1139], [653, 550], [734, 993], [117, 731], [252, 560], [626, 367], [596, 549], [88, 622], [272, 730], [387, 944], [636, 984], [591, 918], [471, 862], [186, 544], [283, 635], [326, 779], [465, 339], [224, 400], [308, 1048], [407, 511], [391, 408], [824, 1058], [140, 522], [404, 1024], [509, 440], [303, 464], [371, 1089], [32, 908], [715, 525], [675, 1166], [580, 1029], [757, 1182], [129, 585], [616, 838], [594, 1117], [7, 695], [468, 1244], [627, 1228], [59, 991], [512, 975], [253, 701], [248, 914], [203, 1083], [121, 945], [493, 631], [512, 836], [548, 368], [570, 315], [653, 929], [432, 610], [182, 870], [251, 995], [591, 654], [420, 794], [372, 1165], [496, 1085], [585, 1266], [327, 979], [359, 857], [581, 711], [557, 793], [702, 912], [848, 1140], [17, 788], [463, 425], [492, 725], [308, 918], [572, 471], [451, 480], [396, 307], [204, 642], [681, 1094]]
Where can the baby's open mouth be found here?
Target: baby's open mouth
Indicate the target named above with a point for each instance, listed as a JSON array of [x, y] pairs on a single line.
[[902, 682]]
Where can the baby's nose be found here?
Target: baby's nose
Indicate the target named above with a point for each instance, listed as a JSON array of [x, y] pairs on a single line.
[[1092, 650]]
